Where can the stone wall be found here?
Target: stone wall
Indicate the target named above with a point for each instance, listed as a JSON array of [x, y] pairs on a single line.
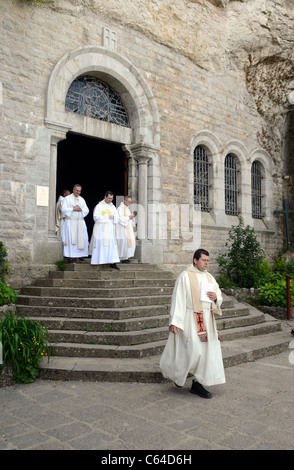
[[200, 60]]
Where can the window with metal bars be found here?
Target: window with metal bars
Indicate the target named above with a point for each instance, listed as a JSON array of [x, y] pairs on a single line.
[[201, 178], [256, 178], [91, 97], [231, 185]]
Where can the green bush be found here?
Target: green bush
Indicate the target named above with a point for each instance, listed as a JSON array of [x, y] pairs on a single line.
[[4, 267], [274, 292], [282, 266], [244, 264], [23, 345], [7, 294], [60, 264]]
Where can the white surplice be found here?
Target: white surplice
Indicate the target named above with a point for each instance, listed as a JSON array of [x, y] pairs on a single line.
[[75, 234], [125, 237], [184, 352], [103, 242], [59, 218]]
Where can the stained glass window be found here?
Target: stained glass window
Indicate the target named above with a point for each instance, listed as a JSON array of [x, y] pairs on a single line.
[[91, 97], [256, 177], [201, 178], [231, 185]]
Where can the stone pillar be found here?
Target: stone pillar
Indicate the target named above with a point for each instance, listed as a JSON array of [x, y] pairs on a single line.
[[58, 132], [52, 185], [144, 156], [142, 161], [141, 154]]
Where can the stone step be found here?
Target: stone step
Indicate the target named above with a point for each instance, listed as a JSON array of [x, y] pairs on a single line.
[[90, 302], [88, 292], [148, 348], [248, 317], [235, 311], [147, 331], [146, 369], [251, 330], [113, 338], [138, 323], [93, 313], [96, 303], [112, 275], [57, 315], [105, 283], [106, 325], [87, 267], [104, 350]]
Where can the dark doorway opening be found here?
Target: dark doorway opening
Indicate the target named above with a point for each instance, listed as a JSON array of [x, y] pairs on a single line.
[[97, 165]]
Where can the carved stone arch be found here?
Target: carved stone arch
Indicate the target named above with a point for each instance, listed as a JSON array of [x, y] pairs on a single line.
[[209, 140], [240, 152], [117, 71], [141, 141], [263, 157], [212, 145], [238, 149]]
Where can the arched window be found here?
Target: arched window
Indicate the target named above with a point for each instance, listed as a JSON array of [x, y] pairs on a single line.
[[231, 185], [256, 177], [91, 97], [201, 178]]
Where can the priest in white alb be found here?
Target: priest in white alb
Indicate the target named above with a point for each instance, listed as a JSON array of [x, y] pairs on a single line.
[[125, 237], [59, 215], [103, 242], [193, 345], [75, 234]]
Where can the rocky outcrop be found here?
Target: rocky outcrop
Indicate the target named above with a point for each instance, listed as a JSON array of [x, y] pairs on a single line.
[[218, 35]]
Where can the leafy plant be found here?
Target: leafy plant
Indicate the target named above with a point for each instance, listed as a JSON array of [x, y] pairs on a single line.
[[273, 292], [281, 265], [60, 264], [244, 264], [7, 294], [4, 267], [24, 344]]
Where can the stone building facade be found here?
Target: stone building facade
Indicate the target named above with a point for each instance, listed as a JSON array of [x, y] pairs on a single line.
[[190, 77]]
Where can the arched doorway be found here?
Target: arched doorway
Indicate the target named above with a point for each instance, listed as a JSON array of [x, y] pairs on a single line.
[[98, 165], [140, 141]]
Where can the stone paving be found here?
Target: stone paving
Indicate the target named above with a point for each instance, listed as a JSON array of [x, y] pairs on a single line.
[[253, 410]]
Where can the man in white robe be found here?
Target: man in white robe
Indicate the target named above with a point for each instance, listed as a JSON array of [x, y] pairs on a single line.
[[125, 237], [193, 345], [75, 232], [103, 243], [59, 216]]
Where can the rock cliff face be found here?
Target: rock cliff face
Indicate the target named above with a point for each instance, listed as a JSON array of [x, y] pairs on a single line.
[[250, 39], [218, 35]]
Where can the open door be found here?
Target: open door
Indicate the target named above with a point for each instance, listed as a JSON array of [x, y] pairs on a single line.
[[97, 165]]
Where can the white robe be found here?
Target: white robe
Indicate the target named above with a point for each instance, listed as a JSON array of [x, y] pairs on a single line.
[[70, 248], [184, 352], [59, 218], [125, 237], [103, 242]]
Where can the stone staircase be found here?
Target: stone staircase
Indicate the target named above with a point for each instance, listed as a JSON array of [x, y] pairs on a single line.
[[113, 325]]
